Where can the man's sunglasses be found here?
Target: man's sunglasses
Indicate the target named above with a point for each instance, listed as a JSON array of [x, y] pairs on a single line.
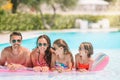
[[14, 41], [42, 44]]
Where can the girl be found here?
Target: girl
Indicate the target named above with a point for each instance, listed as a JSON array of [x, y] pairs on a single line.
[[83, 61], [41, 56], [63, 59]]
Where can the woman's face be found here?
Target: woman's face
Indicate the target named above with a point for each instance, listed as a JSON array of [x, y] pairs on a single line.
[[42, 45], [58, 50]]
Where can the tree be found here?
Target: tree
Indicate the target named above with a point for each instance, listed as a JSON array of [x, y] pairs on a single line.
[[63, 4], [15, 5]]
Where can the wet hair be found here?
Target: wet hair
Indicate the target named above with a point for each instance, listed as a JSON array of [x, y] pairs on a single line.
[[15, 33], [88, 48], [48, 53], [62, 43]]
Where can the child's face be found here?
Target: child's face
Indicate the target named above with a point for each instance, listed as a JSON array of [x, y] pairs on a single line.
[[82, 52], [58, 50]]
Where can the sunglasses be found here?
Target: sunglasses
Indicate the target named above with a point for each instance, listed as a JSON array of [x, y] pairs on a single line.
[[14, 41], [42, 44]]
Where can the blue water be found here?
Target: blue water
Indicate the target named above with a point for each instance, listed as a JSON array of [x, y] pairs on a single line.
[[105, 40], [108, 43]]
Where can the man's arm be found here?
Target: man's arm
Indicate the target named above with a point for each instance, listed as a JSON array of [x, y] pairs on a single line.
[[3, 58]]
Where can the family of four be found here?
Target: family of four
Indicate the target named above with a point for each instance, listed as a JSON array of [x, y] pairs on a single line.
[[45, 58]]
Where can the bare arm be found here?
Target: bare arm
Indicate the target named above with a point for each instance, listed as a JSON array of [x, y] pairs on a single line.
[[53, 60], [70, 63], [3, 58]]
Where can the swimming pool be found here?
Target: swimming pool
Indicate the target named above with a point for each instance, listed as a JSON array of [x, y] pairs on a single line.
[[107, 42]]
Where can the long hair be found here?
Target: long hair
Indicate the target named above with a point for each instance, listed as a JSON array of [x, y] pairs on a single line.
[[47, 56], [62, 43]]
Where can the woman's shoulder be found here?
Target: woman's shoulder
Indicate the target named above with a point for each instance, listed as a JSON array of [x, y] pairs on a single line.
[[33, 52]]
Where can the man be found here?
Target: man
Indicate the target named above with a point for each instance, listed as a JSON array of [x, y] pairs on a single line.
[[15, 57]]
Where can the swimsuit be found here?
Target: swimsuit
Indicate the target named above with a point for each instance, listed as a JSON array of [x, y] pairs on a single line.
[[58, 65], [42, 63], [83, 66]]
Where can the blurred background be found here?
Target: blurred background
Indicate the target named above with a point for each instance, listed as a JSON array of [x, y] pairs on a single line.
[[25, 15]]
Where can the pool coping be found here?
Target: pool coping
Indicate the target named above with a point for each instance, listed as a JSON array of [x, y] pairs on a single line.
[[4, 37]]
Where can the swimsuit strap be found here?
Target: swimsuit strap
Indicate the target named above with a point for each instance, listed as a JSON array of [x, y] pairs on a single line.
[[83, 66], [58, 64]]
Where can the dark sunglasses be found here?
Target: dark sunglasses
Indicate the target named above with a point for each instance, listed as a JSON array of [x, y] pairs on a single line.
[[14, 41], [42, 44]]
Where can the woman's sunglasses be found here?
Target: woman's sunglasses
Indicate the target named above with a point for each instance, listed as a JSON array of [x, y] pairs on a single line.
[[42, 44], [14, 41]]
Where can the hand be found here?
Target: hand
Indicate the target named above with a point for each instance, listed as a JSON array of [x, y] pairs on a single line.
[[15, 67], [45, 69], [60, 70], [82, 70], [37, 69]]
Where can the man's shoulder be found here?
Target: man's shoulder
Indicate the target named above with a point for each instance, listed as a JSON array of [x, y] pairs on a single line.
[[7, 48]]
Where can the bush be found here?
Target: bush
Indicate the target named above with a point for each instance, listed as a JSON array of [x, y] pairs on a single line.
[[23, 22]]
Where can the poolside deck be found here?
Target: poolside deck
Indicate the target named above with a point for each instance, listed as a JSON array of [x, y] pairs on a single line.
[[4, 37]]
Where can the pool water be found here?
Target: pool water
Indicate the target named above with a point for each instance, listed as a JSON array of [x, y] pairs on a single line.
[[106, 42]]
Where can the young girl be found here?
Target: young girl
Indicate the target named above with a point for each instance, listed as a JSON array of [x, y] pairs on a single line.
[[63, 59], [83, 61], [41, 55]]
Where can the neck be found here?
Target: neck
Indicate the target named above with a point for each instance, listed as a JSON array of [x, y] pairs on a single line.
[[15, 50], [61, 56]]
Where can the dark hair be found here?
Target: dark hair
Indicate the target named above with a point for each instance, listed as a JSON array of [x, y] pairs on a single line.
[[15, 33], [88, 47], [48, 53], [62, 43]]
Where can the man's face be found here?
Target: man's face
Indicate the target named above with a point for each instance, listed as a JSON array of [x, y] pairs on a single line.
[[16, 40]]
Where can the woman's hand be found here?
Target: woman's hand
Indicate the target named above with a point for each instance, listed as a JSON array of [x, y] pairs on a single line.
[[41, 69], [37, 69], [45, 69]]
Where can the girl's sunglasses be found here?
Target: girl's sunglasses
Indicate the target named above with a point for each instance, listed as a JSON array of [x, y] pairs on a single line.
[[42, 44], [14, 41]]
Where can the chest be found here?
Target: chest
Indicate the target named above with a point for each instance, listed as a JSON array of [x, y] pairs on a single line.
[[19, 59]]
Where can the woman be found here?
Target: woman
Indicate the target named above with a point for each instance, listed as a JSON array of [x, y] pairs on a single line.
[[41, 55]]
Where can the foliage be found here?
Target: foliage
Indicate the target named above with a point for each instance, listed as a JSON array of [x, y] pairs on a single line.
[[24, 22]]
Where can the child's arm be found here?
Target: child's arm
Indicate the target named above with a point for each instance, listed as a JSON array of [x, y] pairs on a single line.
[[76, 61], [70, 63], [90, 64]]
